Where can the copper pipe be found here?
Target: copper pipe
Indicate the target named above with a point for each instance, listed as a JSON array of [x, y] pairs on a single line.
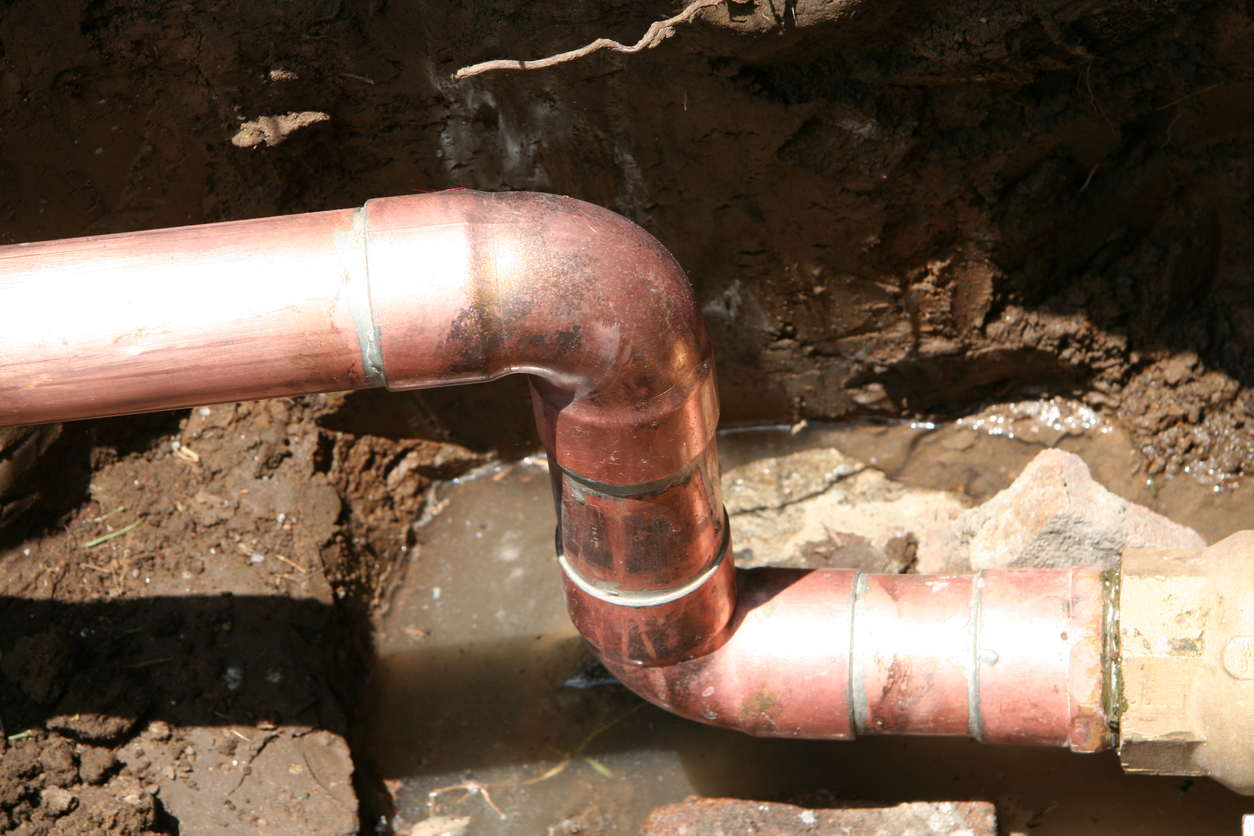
[[1007, 656], [409, 292], [458, 287]]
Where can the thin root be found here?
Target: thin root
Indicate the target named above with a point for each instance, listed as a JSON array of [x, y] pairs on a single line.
[[471, 788], [658, 32]]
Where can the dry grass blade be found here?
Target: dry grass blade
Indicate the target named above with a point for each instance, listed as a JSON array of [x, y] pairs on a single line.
[[104, 538]]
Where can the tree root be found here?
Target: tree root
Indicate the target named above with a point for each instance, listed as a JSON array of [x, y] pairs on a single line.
[[658, 32]]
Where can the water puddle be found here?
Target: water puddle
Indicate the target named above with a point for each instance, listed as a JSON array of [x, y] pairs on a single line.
[[485, 706]]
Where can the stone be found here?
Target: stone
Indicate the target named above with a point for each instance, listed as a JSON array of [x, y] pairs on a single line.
[[820, 509], [722, 816], [57, 801], [1054, 515]]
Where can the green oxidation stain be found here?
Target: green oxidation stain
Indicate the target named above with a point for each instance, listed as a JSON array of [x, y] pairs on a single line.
[[1188, 646], [761, 703]]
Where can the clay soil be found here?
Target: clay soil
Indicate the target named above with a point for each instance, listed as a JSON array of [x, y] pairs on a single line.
[[886, 208]]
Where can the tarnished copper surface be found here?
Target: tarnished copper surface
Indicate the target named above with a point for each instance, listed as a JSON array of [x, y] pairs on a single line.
[[661, 634], [912, 642], [622, 373], [457, 287], [469, 286], [624, 551], [784, 671]]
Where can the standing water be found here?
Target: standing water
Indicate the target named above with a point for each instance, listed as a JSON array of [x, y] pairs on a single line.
[[489, 713]]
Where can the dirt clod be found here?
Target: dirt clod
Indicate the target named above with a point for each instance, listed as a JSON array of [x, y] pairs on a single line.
[[39, 664]]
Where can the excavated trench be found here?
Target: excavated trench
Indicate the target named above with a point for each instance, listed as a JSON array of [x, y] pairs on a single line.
[[891, 212]]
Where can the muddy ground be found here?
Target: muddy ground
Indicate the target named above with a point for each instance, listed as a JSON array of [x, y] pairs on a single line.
[[885, 208]]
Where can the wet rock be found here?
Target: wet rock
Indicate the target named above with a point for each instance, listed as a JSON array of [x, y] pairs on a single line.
[[1053, 515], [769, 484], [441, 826], [822, 509], [719, 816]]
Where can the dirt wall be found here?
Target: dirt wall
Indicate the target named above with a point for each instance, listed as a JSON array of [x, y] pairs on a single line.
[[883, 206]]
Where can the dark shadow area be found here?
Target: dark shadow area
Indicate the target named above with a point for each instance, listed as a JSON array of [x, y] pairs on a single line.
[[951, 384], [493, 417], [94, 670]]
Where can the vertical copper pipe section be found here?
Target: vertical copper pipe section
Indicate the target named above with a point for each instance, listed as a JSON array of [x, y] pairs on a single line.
[[1008, 656], [603, 319], [417, 291]]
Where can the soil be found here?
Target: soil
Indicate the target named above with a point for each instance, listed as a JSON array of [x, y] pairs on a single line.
[[180, 651], [885, 208]]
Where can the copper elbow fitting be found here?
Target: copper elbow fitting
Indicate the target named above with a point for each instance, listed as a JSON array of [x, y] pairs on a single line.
[[419, 291]]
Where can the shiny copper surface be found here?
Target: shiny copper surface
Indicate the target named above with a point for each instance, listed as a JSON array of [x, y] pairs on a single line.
[[105, 325], [469, 286], [458, 287], [1008, 656], [912, 641]]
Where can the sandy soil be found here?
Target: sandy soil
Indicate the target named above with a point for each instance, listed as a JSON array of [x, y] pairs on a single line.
[[885, 208]]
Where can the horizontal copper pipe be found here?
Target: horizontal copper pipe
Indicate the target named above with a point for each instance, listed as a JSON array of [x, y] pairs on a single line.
[[1009, 656], [419, 291]]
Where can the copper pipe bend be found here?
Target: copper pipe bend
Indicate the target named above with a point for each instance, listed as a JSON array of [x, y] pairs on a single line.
[[419, 291]]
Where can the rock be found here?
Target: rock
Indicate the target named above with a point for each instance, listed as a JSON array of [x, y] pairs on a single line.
[[776, 482], [441, 826], [1053, 515], [822, 509], [720, 816], [274, 130], [56, 801]]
